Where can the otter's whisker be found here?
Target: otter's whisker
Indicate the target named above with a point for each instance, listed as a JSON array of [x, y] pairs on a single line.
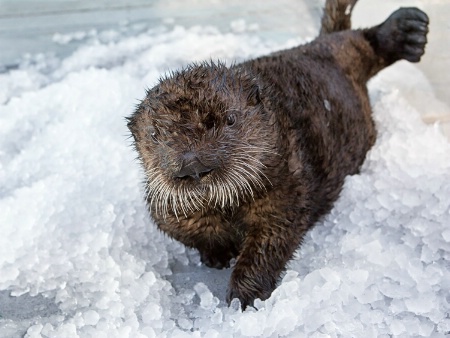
[[255, 179], [193, 200], [241, 182], [255, 170], [183, 193], [232, 189], [174, 198], [255, 162]]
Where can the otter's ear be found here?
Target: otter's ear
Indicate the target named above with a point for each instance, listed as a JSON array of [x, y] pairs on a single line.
[[254, 95]]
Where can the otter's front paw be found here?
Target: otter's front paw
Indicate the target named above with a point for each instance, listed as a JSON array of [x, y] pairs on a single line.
[[217, 259], [404, 35], [248, 288]]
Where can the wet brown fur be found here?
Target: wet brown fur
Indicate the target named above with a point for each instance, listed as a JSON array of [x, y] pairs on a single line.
[[301, 121]]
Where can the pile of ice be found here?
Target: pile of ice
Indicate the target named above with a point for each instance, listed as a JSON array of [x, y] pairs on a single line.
[[74, 227]]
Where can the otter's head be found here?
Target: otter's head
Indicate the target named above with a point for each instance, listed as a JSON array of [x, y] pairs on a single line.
[[204, 139]]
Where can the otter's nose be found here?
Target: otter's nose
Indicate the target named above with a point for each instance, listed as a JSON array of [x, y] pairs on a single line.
[[191, 166]]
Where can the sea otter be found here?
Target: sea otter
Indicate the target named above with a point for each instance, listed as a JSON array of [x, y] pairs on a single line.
[[241, 161]]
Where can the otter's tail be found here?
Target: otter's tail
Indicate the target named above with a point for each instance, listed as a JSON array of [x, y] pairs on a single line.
[[336, 16]]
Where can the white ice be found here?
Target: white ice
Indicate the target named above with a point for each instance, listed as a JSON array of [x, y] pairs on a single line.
[[74, 229]]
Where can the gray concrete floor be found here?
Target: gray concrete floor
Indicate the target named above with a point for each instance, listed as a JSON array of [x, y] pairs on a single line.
[[17, 314]]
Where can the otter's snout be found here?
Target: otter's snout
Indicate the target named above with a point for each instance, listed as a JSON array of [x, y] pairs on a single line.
[[192, 167]]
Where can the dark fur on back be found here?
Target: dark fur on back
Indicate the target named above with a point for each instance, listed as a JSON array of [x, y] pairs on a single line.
[[241, 161]]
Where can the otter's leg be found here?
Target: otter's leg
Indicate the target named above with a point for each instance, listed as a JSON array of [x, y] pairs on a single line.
[[402, 36], [336, 16], [270, 242], [363, 53]]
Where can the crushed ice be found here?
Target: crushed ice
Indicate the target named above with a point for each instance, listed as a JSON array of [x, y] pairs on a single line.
[[74, 227]]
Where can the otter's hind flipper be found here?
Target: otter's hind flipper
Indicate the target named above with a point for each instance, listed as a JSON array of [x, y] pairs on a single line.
[[336, 16], [402, 36]]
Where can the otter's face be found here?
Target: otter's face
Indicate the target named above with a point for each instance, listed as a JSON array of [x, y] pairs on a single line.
[[203, 137]]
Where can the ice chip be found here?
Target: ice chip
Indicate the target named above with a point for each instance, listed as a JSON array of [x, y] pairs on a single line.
[[185, 323], [151, 312], [207, 299], [422, 304], [397, 327], [235, 305], [34, 331], [91, 317], [250, 325]]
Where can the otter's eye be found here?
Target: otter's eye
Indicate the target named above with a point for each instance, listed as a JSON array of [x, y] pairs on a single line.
[[154, 137], [153, 134], [231, 119]]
